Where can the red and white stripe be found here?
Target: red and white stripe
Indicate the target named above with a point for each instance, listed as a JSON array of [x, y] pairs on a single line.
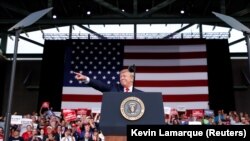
[[179, 72]]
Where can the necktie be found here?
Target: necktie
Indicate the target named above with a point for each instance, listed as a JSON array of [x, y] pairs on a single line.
[[126, 90]]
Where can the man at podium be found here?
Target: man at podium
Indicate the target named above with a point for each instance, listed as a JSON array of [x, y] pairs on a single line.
[[126, 82]]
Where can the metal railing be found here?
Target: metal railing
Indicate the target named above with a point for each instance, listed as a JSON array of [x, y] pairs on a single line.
[[206, 35]]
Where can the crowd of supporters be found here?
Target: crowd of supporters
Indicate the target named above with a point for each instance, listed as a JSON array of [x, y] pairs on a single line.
[[54, 128], [86, 127], [220, 118]]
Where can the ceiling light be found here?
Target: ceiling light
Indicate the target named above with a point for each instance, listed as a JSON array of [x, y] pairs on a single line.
[[182, 11], [123, 10], [88, 12], [54, 16], [147, 10]]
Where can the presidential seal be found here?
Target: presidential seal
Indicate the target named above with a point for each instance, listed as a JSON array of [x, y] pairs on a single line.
[[132, 108]]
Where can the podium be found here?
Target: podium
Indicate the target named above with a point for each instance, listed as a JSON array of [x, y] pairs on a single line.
[[121, 109]]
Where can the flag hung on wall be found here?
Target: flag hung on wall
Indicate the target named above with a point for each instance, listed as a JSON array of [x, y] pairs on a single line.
[[176, 69]]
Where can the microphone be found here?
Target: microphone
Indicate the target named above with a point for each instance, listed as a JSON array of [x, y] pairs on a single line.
[[132, 69]]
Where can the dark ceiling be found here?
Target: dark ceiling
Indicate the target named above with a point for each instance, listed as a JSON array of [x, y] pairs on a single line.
[[110, 11]]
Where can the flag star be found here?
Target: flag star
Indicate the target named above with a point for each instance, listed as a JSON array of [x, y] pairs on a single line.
[[81, 72], [73, 51], [117, 72], [74, 43], [117, 82], [98, 60]]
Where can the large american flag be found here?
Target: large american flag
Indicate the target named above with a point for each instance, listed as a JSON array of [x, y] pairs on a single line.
[[176, 69]]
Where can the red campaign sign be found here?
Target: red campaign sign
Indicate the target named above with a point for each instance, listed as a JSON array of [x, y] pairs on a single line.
[[84, 111], [198, 113], [69, 115]]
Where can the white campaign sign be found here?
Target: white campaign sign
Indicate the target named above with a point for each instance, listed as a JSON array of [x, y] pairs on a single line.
[[16, 119]]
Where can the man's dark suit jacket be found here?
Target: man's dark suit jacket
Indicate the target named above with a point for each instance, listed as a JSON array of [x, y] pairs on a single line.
[[99, 85]]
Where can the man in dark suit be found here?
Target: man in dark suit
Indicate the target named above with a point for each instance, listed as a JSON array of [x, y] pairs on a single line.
[[126, 82]]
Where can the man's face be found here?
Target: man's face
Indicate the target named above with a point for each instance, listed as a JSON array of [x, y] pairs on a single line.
[[1, 131], [126, 79]]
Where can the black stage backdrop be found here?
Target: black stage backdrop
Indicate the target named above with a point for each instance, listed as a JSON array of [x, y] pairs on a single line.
[[219, 73], [220, 78], [51, 80], [3, 68]]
